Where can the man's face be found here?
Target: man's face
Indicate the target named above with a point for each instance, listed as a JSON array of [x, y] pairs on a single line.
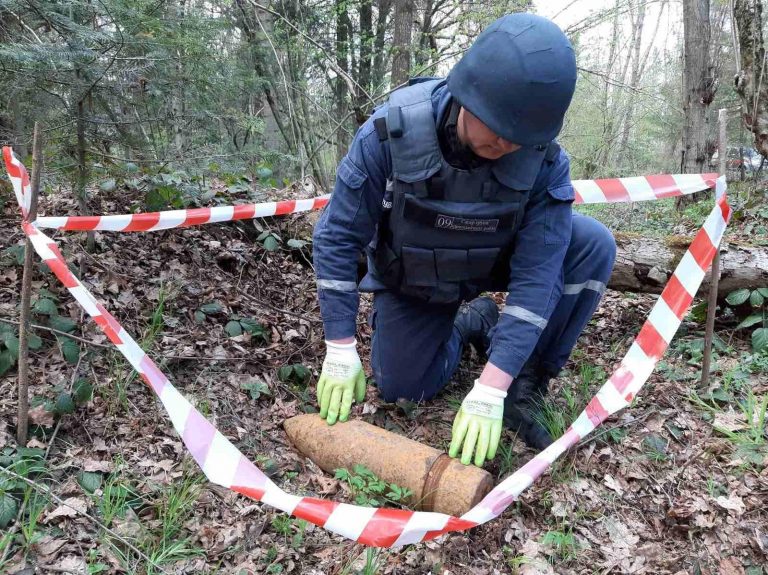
[[479, 137]]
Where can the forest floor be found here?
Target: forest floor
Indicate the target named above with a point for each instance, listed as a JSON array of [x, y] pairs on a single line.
[[677, 483]]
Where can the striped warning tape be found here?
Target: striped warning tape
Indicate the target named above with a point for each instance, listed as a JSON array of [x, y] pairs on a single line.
[[224, 465], [587, 192], [19, 179]]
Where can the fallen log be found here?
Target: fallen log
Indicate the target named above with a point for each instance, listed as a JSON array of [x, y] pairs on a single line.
[[645, 264]]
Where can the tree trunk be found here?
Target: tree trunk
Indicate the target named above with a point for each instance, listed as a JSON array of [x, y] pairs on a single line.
[[698, 89], [752, 78], [608, 101], [177, 106], [645, 264], [401, 42], [19, 128], [629, 110], [82, 172], [366, 58], [340, 87], [380, 54], [252, 33]]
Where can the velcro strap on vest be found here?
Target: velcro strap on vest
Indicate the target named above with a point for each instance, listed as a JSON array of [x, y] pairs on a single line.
[[381, 128]]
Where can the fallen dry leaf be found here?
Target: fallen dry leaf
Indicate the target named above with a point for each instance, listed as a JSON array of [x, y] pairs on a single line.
[[71, 564], [40, 416], [613, 484], [71, 507], [730, 420], [732, 503], [96, 465], [730, 566], [48, 545]]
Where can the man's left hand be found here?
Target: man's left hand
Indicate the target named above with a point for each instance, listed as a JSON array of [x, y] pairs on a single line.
[[478, 424]]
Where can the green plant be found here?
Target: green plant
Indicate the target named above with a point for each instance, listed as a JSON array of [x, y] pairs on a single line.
[[156, 323], [655, 447], [374, 561], [177, 504], [207, 309], [758, 306], [166, 551], [552, 417], [370, 490], [714, 488], [18, 499], [507, 459], [45, 309], [694, 349], [282, 524], [34, 504], [297, 540], [66, 401], [454, 402], [255, 388], [95, 566], [513, 560], [115, 499], [372, 564], [239, 325], [295, 373], [749, 438], [562, 543], [9, 346], [616, 434], [270, 240]]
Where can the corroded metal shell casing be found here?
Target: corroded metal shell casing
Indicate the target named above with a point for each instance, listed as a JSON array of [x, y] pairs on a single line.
[[438, 482]]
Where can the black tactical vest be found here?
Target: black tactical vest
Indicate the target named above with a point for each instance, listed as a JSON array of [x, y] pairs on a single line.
[[450, 232]]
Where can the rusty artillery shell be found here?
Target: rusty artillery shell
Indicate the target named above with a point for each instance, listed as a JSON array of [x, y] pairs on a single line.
[[438, 482]]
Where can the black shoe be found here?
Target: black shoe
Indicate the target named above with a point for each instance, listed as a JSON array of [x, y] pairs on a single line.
[[522, 407], [474, 320]]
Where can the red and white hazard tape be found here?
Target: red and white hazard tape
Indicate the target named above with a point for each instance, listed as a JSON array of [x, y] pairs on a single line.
[[587, 192], [19, 179], [224, 465]]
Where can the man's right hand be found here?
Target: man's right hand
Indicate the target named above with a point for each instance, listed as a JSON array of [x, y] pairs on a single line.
[[342, 381]]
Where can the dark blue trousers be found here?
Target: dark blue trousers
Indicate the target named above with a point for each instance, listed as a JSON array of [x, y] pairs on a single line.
[[415, 348]]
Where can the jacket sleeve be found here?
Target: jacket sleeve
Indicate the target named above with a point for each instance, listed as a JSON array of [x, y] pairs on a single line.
[[536, 268], [346, 225]]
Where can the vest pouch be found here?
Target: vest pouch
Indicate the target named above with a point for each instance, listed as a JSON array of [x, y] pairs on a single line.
[[385, 263], [419, 266], [452, 265], [481, 262]]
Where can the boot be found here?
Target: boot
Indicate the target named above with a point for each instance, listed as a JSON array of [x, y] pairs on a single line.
[[522, 406], [474, 320]]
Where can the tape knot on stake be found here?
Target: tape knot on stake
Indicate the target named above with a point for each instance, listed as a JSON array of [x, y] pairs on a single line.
[[223, 463]]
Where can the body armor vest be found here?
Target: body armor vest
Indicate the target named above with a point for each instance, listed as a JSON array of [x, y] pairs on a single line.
[[450, 232]]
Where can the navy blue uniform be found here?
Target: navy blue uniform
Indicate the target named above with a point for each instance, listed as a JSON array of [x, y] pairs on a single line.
[[558, 271]]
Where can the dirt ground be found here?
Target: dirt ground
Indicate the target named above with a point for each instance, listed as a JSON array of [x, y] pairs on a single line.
[[661, 488]]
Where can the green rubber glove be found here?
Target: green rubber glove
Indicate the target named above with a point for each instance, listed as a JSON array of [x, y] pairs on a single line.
[[478, 424], [342, 381]]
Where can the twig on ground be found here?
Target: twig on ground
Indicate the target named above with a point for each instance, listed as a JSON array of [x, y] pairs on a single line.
[[592, 438], [64, 333]]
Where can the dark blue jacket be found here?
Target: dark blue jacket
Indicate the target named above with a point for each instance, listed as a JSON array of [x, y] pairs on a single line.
[[349, 223]]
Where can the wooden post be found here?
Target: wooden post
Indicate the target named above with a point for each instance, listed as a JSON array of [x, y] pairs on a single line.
[[709, 330], [26, 295]]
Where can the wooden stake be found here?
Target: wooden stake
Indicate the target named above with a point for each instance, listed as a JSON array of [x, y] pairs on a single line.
[[26, 295], [709, 330]]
